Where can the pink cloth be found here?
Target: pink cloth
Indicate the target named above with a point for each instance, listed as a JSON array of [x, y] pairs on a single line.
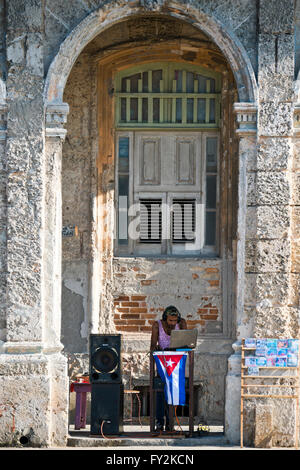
[[163, 338]]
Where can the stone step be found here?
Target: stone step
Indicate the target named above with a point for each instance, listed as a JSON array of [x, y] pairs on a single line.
[[140, 436]]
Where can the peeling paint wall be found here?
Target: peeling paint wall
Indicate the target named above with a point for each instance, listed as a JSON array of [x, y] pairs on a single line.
[[76, 194]]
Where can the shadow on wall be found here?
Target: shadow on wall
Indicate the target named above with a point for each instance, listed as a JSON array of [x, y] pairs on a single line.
[[72, 319]]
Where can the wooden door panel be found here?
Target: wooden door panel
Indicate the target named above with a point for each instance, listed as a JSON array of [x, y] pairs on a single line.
[[185, 161], [167, 160]]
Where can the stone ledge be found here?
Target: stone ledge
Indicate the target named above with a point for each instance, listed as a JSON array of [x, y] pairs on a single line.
[[56, 132]]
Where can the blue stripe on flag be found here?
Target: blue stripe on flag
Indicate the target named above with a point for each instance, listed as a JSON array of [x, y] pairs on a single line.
[[182, 381]]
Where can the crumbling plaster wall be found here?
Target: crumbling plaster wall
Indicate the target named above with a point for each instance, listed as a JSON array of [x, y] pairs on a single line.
[[76, 195]]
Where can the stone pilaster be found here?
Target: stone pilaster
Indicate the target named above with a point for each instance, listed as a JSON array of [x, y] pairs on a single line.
[[3, 221], [246, 117], [3, 200], [56, 117], [295, 210]]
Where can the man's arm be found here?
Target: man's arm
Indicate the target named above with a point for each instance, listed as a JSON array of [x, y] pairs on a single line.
[[182, 324], [154, 336]]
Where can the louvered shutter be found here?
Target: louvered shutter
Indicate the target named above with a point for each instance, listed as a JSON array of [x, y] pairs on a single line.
[[183, 220], [150, 220]]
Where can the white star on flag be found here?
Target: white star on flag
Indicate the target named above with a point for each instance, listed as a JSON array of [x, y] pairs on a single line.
[[170, 363]]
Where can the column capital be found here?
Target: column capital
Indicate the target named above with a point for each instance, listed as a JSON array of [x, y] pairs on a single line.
[[246, 115], [56, 118]]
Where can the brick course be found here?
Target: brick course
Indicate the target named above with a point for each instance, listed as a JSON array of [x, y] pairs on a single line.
[[132, 314]]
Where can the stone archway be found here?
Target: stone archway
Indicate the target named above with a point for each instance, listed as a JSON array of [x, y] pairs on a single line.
[[104, 18], [57, 110], [34, 368], [109, 15]]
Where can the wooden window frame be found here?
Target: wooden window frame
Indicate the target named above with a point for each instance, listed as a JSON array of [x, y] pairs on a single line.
[[171, 95], [211, 249], [167, 248]]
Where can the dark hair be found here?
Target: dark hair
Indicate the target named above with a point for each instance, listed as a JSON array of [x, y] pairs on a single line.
[[173, 311]]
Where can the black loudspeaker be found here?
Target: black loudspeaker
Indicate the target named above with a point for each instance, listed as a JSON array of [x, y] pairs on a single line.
[[105, 359], [107, 408]]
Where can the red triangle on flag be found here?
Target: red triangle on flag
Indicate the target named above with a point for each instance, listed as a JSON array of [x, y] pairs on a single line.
[[170, 361]]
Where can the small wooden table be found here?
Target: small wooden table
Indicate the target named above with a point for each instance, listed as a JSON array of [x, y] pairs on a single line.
[[81, 389], [134, 393]]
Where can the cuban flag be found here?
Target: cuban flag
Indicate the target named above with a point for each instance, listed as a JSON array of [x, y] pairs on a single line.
[[171, 368]]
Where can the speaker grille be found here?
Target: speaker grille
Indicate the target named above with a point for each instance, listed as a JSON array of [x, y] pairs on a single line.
[[105, 360]]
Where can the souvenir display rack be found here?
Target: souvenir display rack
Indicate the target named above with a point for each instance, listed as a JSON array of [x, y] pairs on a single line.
[[257, 382]]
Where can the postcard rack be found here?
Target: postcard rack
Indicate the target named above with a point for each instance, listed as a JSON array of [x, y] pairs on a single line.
[[257, 383]]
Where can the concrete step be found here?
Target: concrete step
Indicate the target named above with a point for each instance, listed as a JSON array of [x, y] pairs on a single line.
[[140, 436]]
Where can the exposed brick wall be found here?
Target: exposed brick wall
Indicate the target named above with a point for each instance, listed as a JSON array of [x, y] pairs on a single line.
[[208, 312], [132, 314], [143, 290]]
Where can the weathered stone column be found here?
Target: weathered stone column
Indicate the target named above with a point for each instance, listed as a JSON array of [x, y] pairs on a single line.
[[269, 250], [294, 299], [33, 372], [277, 314], [247, 128], [3, 203], [268, 302], [3, 216], [56, 117]]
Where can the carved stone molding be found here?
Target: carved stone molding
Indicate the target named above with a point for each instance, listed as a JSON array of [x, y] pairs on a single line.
[[246, 115], [56, 118]]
